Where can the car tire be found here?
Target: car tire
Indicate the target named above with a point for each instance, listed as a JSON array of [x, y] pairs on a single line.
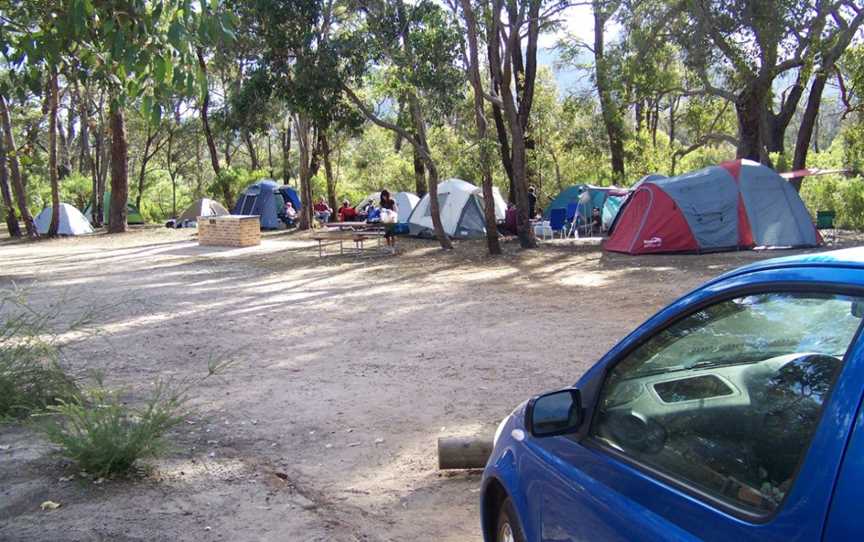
[[508, 529]]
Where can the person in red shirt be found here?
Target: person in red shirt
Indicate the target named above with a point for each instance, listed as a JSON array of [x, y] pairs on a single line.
[[322, 211], [346, 213]]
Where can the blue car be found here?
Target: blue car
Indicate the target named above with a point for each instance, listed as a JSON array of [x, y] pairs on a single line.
[[733, 414]]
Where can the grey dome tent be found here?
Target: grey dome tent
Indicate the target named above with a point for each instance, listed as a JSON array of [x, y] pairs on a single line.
[[202, 207], [70, 221], [266, 199]]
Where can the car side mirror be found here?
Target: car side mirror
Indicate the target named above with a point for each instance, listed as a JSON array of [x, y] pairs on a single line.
[[556, 413]]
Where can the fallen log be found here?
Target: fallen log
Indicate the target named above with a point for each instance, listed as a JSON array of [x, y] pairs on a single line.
[[464, 452]]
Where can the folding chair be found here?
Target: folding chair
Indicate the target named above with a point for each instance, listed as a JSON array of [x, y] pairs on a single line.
[[557, 222], [825, 221]]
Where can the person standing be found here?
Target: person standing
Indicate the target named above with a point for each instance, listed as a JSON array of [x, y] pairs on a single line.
[[389, 227], [532, 203]]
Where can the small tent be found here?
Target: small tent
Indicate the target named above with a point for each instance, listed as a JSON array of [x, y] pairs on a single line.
[[71, 221], [461, 208], [405, 202], [202, 207], [266, 198], [133, 215], [739, 204]]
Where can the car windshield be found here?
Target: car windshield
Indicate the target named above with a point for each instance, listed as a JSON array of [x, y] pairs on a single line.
[[751, 329]]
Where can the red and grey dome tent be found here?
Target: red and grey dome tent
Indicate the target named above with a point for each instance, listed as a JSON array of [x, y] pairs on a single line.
[[739, 204]]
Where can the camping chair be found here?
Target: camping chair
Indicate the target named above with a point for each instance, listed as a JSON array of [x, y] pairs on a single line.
[[825, 221], [557, 222], [572, 209]]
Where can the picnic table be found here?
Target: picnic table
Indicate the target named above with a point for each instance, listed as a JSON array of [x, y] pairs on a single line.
[[358, 238], [354, 226]]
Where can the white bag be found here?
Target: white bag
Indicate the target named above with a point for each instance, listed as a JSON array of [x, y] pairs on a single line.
[[388, 216]]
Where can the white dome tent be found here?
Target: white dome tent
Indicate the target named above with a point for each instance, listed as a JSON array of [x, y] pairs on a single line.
[[405, 202], [71, 221], [461, 208]]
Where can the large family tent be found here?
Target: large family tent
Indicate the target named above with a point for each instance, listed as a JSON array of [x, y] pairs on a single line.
[[202, 207], [586, 197], [266, 198], [461, 208], [405, 202], [71, 221], [740, 204], [133, 215]]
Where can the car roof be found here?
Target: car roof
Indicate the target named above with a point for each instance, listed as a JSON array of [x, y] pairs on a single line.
[[848, 258]]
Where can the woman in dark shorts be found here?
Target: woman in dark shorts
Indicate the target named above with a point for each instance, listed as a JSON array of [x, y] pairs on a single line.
[[389, 228]]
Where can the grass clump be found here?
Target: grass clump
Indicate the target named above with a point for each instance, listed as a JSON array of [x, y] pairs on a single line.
[[31, 378], [106, 437]]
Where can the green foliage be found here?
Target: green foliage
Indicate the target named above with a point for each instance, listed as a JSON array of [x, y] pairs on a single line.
[[104, 436], [31, 378], [233, 180]]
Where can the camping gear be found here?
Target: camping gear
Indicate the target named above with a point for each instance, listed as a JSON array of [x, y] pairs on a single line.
[[202, 207], [133, 215], [388, 216], [739, 204], [70, 221], [583, 198], [266, 199], [460, 206], [825, 221], [610, 210], [405, 202], [557, 221]]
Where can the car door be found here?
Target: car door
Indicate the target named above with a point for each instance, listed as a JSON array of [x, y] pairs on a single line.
[[728, 422], [844, 523]]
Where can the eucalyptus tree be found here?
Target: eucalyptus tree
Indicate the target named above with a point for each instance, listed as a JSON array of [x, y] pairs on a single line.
[[413, 52]]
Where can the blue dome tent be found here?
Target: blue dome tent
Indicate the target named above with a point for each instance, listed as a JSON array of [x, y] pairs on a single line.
[[266, 198]]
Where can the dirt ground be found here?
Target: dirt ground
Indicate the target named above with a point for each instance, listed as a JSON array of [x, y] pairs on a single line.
[[347, 371]]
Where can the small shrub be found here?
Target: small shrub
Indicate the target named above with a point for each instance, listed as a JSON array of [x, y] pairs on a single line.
[[31, 378], [105, 437]]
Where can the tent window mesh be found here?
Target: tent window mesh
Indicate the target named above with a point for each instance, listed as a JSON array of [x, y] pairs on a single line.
[[248, 205]]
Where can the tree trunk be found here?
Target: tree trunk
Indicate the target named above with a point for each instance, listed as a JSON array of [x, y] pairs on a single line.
[[119, 172], [419, 174], [250, 148], [750, 110], [286, 153], [18, 188], [304, 128], [142, 172], [53, 98], [609, 110], [270, 157], [8, 204], [502, 77], [328, 171], [808, 125], [205, 118], [492, 242], [501, 129]]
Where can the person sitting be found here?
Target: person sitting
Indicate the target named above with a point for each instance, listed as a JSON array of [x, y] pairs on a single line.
[[346, 213], [596, 220], [322, 211], [289, 214], [511, 220]]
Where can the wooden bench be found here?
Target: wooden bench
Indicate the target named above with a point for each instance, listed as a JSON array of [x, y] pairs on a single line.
[[359, 239]]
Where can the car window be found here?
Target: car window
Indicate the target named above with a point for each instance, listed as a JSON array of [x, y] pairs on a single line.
[[728, 398]]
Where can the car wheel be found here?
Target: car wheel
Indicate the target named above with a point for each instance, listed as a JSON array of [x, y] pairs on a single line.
[[508, 526]]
